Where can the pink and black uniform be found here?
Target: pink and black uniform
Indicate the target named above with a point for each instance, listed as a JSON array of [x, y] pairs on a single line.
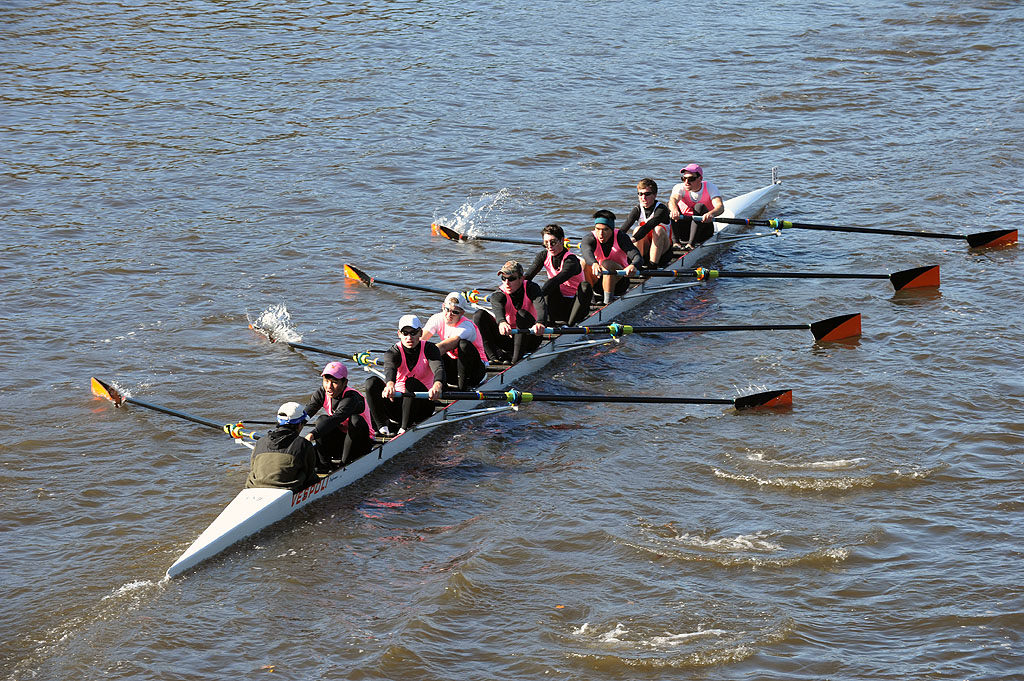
[[343, 432], [566, 291], [412, 370], [617, 252], [465, 365], [520, 309], [690, 205]]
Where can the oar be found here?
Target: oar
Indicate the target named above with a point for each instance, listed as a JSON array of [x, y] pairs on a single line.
[[357, 274], [831, 329], [361, 358], [916, 277], [772, 398], [997, 237], [449, 233], [105, 390]]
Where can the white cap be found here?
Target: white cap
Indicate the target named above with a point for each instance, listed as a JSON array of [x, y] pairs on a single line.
[[291, 413], [409, 321], [458, 299]]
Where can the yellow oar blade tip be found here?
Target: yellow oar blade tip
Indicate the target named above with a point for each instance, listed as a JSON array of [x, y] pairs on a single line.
[[355, 274], [107, 392]]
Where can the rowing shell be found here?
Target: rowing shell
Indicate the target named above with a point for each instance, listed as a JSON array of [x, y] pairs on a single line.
[[255, 509]]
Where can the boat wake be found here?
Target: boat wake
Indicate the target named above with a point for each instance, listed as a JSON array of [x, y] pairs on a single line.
[[276, 322], [647, 647], [895, 479]]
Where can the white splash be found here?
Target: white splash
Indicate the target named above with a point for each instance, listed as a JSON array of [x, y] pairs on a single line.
[[742, 542], [276, 322], [129, 588], [613, 635], [670, 639], [475, 218]]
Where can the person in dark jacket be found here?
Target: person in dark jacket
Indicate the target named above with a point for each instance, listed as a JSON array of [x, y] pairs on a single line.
[[282, 458]]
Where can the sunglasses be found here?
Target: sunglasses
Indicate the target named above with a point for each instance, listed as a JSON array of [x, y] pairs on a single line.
[[645, 193], [509, 277], [690, 178], [454, 310], [410, 332]]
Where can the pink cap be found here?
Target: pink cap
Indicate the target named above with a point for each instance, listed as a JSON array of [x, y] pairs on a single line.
[[693, 168], [335, 369]]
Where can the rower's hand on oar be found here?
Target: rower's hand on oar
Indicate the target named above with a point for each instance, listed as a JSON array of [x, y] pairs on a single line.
[[389, 391], [538, 329], [435, 391], [630, 270], [504, 328]]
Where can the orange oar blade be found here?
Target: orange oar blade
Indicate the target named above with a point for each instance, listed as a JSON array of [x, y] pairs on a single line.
[[917, 277], [772, 398], [993, 239], [106, 391], [837, 328], [357, 275], [446, 232]]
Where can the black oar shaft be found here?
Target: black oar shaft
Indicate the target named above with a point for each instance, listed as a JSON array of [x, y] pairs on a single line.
[[174, 412], [799, 275], [583, 330], [402, 284], [836, 228], [623, 399]]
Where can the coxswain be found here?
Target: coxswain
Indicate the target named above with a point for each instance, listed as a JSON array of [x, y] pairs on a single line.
[[566, 290], [283, 458], [410, 365], [460, 343], [343, 432], [653, 234], [516, 304], [691, 199], [609, 249]]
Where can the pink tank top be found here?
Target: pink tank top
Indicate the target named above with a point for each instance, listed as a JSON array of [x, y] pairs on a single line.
[[366, 409], [421, 371], [570, 285]]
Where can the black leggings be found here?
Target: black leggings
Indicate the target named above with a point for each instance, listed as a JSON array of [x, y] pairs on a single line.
[[570, 311], [395, 414], [336, 447], [506, 349]]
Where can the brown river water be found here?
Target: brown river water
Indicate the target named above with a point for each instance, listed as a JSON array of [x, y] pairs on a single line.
[[172, 170]]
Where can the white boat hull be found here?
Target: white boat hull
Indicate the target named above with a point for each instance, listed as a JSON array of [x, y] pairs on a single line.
[[256, 509]]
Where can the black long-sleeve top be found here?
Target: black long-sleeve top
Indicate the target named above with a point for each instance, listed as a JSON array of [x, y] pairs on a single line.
[[529, 288], [569, 263]]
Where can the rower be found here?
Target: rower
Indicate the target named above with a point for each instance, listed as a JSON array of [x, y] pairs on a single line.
[[282, 458], [342, 433], [694, 198], [566, 291], [653, 235], [460, 342], [609, 249], [517, 304], [410, 365]]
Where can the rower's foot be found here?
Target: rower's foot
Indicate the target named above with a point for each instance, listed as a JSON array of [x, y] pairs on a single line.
[[401, 431]]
